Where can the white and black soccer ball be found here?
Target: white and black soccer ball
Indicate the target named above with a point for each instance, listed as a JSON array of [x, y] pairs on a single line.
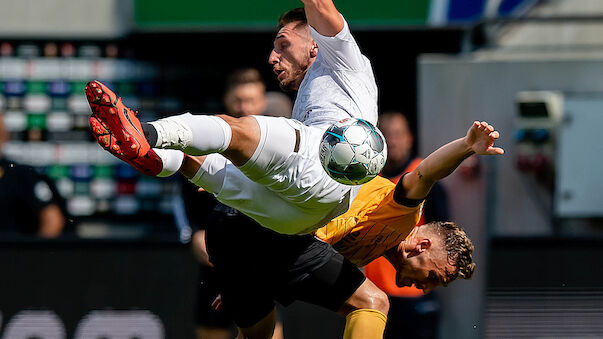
[[353, 151]]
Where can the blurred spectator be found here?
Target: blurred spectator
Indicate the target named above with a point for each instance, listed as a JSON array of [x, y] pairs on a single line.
[[400, 160], [278, 104], [412, 314], [245, 95], [29, 201]]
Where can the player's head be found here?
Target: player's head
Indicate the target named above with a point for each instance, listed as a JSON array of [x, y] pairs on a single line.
[[294, 49], [433, 254], [399, 138], [245, 93]]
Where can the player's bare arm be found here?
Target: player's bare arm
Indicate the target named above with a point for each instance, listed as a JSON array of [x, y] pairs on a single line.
[[323, 16], [442, 162]]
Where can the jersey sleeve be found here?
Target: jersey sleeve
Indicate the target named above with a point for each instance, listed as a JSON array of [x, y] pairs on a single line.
[[401, 208], [340, 52]]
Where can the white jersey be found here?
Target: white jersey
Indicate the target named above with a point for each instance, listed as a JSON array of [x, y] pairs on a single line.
[[339, 84], [285, 188]]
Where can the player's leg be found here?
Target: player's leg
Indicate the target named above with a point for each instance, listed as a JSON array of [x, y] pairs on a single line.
[[264, 148], [252, 309], [118, 130], [268, 328], [251, 198], [236, 138], [238, 249], [277, 153], [365, 312], [219, 176], [261, 147], [367, 295], [191, 165], [211, 323], [340, 286], [263, 329], [291, 171]]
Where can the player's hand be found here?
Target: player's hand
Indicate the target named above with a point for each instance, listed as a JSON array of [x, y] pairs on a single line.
[[480, 138]]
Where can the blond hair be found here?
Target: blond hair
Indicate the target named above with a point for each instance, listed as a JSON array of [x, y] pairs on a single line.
[[458, 247]]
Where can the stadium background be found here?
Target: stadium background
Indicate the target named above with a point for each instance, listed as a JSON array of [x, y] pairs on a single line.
[[532, 68]]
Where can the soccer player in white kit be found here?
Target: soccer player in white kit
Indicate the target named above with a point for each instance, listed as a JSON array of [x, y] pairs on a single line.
[[265, 167]]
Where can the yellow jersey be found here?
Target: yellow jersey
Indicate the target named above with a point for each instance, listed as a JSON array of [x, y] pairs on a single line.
[[373, 224]]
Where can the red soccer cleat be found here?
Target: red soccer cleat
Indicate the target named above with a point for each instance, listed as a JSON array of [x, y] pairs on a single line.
[[119, 119], [149, 164], [124, 140]]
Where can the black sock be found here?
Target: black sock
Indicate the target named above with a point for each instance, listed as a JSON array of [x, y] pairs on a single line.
[[150, 133]]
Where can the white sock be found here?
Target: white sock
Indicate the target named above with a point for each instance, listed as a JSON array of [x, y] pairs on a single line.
[[171, 159], [193, 134], [211, 174]]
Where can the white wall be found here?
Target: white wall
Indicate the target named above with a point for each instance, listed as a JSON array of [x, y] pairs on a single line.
[[65, 18], [453, 92]]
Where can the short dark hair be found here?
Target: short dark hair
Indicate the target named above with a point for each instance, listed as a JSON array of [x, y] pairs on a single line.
[[292, 15], [243, 76]]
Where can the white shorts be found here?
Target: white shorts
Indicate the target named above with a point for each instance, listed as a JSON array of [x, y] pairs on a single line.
[[285, 190]]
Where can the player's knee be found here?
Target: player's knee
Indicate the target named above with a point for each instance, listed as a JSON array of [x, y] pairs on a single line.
[[244, 140], [380, 302], [369, 296], [243, 128]]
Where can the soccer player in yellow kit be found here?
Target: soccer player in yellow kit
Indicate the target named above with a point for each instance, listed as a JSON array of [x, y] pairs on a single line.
[[381, 221]]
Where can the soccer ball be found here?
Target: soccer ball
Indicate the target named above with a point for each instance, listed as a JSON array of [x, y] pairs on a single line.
[[353, 151]]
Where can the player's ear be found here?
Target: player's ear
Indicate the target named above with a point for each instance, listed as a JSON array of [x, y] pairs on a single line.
[[423, 245], [314, 50], [418, 246]]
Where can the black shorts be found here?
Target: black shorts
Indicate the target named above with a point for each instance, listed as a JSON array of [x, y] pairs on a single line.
[[207, 291], [256, 267]]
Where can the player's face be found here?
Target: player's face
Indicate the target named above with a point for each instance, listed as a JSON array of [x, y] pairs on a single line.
[[425, 273], [292, 55], [245, 99]]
